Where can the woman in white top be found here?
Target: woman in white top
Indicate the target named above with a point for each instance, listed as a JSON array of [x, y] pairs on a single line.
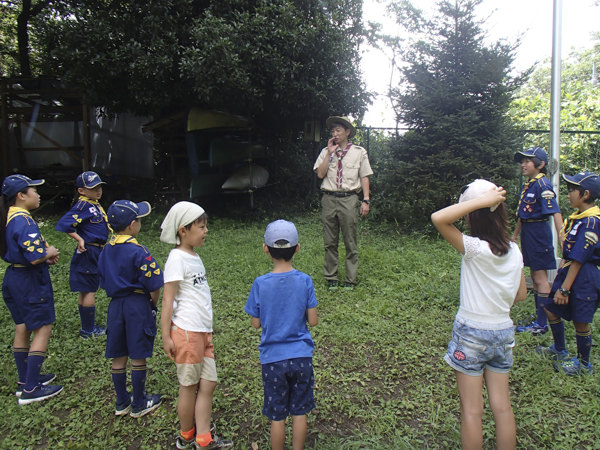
[[483, 335]]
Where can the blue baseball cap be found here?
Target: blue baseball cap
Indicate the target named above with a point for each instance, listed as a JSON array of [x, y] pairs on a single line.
[[16, 183], [88, 180], [533, 152], [587, 180], [122, 212], [281, 230]]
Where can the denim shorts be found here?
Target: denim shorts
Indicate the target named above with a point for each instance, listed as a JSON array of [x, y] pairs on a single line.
[[473, 348]]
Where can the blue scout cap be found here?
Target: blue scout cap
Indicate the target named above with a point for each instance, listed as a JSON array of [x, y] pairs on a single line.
[[587, 180], [537, 152], [281, 230], [16, 183], [88, 180], [122, 212]]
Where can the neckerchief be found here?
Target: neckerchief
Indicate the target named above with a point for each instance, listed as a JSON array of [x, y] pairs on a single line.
[[526, 187], [340, 155], [96, 203], [15, 211], [122, 239], [566, 229]]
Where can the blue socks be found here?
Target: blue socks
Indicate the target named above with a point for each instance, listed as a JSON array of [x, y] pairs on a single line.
[[20, 355], [119, 378], [34, 366], [138, 382], [584, 346], [558, 333], [87, 314], [540, 301]]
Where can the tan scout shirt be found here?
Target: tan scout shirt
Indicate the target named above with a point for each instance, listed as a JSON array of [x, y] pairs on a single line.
[[355, 165]]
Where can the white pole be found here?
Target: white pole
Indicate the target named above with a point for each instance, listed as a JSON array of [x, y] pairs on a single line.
[[555, 98]]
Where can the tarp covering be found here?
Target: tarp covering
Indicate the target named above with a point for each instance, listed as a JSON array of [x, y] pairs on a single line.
[[203, 119]]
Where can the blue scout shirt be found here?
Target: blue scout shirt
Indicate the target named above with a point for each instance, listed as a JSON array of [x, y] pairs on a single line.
[[538, 200], [126, 266], [581, 242], [87, 219], [24, 241]]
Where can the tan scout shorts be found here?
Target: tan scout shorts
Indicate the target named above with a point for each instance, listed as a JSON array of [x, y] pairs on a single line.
[[194, 356]]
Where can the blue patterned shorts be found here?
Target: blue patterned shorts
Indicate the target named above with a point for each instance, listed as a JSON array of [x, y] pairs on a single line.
[[473, 349], [288, 387]]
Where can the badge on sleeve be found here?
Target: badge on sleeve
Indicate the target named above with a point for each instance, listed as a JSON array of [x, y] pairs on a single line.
[[548, 195], [591, 238]]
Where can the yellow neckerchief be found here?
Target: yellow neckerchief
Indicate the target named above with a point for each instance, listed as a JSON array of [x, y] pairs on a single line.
[[122, 239], [95, 202], [591, 212], [15, 211], [526, 187]]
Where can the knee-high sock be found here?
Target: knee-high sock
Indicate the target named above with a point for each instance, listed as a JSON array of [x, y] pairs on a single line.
[[119, 379], [87, 314], [138, 381], [584, 346], [558, 333], [34, 366], [20, 355], [541, 301]]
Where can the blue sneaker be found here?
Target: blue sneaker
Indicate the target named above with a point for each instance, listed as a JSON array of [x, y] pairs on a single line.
[[533, 328], [149, 404], [125, 407], [98, 331], [556, 355], [39, 393], [43, 379], [573, 367]]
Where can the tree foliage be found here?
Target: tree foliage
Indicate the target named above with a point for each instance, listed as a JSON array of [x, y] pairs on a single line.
[[454, 95], [580, 111], [280, 62]]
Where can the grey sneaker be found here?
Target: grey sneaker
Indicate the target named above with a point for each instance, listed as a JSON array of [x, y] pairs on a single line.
[[556, 355], [183, 444], [216, 443]]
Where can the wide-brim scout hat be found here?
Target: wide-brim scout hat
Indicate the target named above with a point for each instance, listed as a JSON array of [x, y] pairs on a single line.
[[344, 121], [16, 183], [88, 180], [475, 190], [587, 180], [122, 212], [533, 152], [281, 230]]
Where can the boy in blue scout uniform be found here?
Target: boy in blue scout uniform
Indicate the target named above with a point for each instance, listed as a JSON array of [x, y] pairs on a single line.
[[577, 282], [537, 204], [282, 302], [86, 223], [132, 278], [27, 288]]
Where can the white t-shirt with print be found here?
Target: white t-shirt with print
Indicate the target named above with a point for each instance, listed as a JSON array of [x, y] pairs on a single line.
[[192, 308], [488, 283]]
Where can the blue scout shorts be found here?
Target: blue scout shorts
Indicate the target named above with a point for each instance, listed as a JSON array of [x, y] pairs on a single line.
[[473, 348], [583, 301], [288, 387], [28, 295], [83, 275], [130, 327], [536, 246]]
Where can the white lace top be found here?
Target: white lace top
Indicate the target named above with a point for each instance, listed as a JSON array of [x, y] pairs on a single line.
[[488, 283]]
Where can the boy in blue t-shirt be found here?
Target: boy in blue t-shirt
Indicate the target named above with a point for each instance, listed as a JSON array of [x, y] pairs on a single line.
[[132, 279], [577, 283], [282, 302]]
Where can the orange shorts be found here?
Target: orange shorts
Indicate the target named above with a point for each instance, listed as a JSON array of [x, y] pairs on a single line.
[[194, 356]]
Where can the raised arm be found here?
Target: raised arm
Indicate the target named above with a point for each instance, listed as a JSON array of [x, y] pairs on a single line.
[[445, 218]]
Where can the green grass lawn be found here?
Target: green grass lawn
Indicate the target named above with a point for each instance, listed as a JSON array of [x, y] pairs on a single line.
[[381, 382]]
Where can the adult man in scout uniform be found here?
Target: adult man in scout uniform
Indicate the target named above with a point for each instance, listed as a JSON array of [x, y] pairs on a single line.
[[345, 170]]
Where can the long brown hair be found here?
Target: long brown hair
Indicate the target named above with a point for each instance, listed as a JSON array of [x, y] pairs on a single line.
[[491, 227]]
